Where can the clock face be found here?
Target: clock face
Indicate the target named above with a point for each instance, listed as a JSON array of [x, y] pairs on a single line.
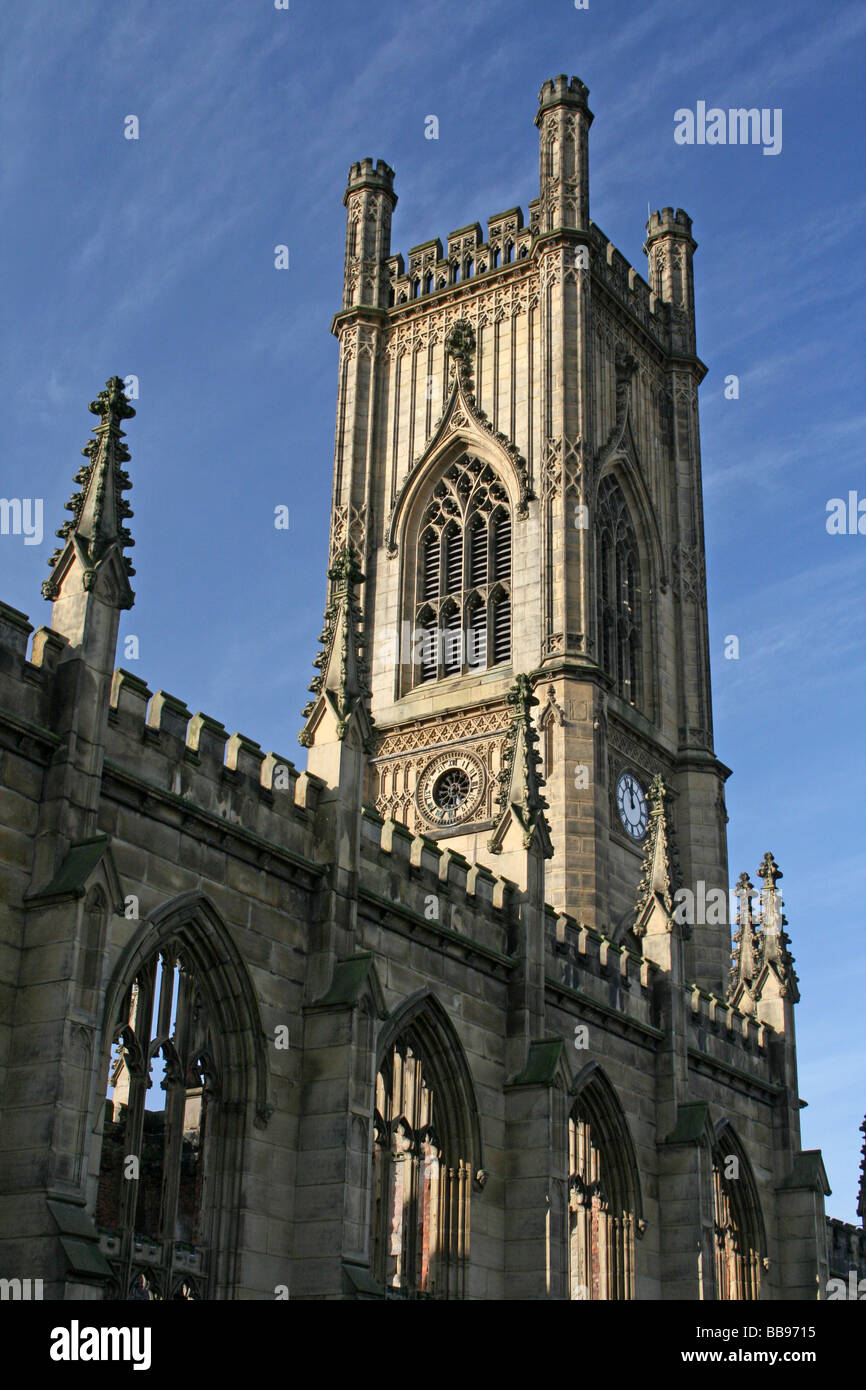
[[450, 789], [631, 803]]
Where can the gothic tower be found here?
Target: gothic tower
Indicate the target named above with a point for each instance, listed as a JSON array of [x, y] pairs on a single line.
[[517, 472]]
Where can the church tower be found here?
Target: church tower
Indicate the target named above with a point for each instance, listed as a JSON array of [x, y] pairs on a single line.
[[517, 476]]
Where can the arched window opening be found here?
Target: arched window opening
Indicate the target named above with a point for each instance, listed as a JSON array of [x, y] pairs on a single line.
[[464, 573], [549, 169], [421, 1178], [509, 252], [477, 635], [738, 1228], [453, 560], [152, 1198], [548, 750], [428, 283], [470, 265], [428, 655], [478, 551], [500, 616], [502, 546], [452, 655], [456, 272], [430, 565], [618, 590], [497, 256], [416, 289], [604, 1202], [523, 253]]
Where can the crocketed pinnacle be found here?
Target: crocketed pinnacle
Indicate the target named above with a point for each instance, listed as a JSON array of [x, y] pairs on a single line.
[[655, 882], [760, 940], [98, 508], [520, 782], [344, 673]]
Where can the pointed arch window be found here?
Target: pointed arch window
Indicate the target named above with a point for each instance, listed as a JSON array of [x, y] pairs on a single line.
[[604, 1198], [476, 634], [463, 585], [619, 592], [152, 1199], [421, 1178], [737, 1224]]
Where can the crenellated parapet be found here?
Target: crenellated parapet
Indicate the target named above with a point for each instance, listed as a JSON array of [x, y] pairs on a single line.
[[432, 892], [27, 681], [578, 952], [155, 739], [722, 1037], [468, 256]]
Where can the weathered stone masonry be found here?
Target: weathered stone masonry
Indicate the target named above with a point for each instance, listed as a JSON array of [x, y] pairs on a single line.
[[421, 1020]]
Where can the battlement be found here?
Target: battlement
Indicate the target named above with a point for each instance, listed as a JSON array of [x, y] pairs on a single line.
[[627, 286], [364, 172], [562, 91], [715, 1017], [577, 946], [467, 257], [26, 683], [667, 223], [155, 737], [427, 885]]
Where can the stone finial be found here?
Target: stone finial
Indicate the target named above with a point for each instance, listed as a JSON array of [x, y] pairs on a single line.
[[460, 345], [520, 781], [655, 882], [98, 510], [343, 681], [746, 953], [769, 871], [761, 956], [775, 939]]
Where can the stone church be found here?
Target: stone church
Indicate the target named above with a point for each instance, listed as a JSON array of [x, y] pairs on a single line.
[[453, 1012]]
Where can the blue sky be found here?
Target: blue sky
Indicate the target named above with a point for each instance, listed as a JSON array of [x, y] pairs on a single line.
[[155, 257]]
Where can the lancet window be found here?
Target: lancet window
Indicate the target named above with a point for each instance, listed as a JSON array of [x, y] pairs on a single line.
[[737, 1224], [619, 592], [421, 1180], [603, 1218], [163, 1080], [463, 587]]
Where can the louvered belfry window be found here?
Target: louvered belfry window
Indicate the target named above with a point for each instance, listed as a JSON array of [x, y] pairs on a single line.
[[463, 592], [618, 592]]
